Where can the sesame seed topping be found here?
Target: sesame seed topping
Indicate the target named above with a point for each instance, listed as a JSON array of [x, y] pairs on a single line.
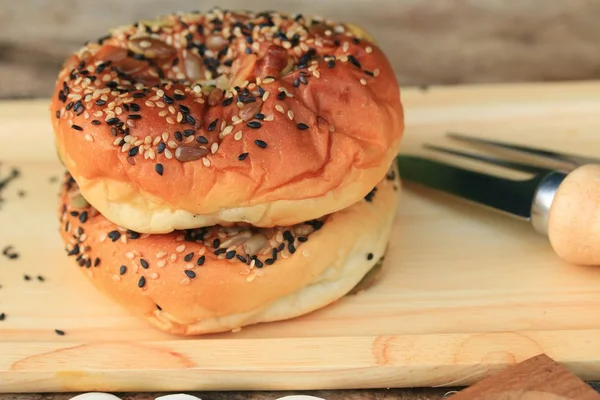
[[122, 270], [190, 274], [260, 143], [144, 263], [77, 127], [141, 282], [363, 81], [159, 169], [201, 260], [302, 126], [254, 124], [242, 156]]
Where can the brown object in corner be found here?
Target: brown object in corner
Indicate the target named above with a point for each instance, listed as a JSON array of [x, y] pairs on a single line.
[[538, 378]]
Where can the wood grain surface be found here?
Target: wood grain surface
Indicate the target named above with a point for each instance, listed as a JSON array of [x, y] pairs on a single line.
[[427, 41], [464, 291]]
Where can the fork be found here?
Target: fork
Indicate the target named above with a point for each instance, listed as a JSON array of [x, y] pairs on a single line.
[[562, 203]]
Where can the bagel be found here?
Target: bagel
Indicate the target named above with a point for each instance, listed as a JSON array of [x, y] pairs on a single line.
[[226, 118], [217, 279]]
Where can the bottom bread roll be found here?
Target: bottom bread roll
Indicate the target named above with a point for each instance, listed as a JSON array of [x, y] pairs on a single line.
[[217, 279]]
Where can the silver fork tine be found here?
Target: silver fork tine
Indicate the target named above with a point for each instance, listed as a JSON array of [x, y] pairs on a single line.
[[534, 169], [553, 155]]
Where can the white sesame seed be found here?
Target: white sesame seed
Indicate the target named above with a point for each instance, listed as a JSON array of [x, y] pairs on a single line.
[[206, 162], [250, 278], [279, 108], [214, 147], [316, 74], [265, 96], [160, 104], [189, 266], [172, 144], [346, 46], [173, 257], [269, 118], [238, 135], [170, 121], [369, 49], [376, 72], [268, 80], [102, 238], [125, 147], [153, 275], [185, 281], [117, 141], [168, 154], [156, 140], [138, 142], [116, 278], [161, 263], [165, 136], [148, 139], [180, 248], [160, 93], [130, 255], [290, 114], [363, 81], [160, 254], [89, 137], [163, 113]]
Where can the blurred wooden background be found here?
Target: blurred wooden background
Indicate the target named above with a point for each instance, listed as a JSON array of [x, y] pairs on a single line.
[[428, 41]]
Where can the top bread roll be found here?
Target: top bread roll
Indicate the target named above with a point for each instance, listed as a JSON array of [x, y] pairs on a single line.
[[227, 117]]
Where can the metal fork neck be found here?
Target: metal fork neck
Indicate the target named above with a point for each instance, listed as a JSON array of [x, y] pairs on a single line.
[[542, 201]]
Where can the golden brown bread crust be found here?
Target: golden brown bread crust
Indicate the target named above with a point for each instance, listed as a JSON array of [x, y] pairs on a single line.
[[325, 260], [331, 120]]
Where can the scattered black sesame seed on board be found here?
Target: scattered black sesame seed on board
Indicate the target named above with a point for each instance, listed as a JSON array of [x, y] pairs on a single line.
[[159, 169], [2, 316], [260, 143], [370, 256], [53, 179], [59, 332], [158, 307], [190, 274], [369, 197], [26, 277], [242, 156], [10, 253], [40, 278]]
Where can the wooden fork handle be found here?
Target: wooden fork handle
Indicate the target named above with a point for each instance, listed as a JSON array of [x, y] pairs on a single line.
[[574, 218]]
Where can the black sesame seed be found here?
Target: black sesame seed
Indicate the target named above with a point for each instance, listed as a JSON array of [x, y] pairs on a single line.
[[177, 95], [279, 248], [100, 102], [212, 125], [201, 260], [26, 277], [134, 151], [258, 263], [230, 254], [57, 114], [356, 40], [159, 169], [59, 332], [216, 243], [184, 109], [302, 126], [218, 252], [281, 95], [161, 147], [77, 127], [134, 116], [83, 217], [254, 124], [158, 307], [291, 248], [260, 116], [302, 239], [354, 61], [2, 317], [370, 256], [242, 156], [190, 274], [40, 278], [296, 82], [88, 263], [369, 73], [178, 136], [122, 270], [188, 132], [269, 261], [227, 101], [190, 119], [134, 107], [112, 121], [74, 213], [260, 143], [133, 234], [141, 282], [139, 95], [168, 100], [331, 63], [202, 140], [69, 106], [96, 122], [287, 235], [114, 235], [144, 263], [188, 257], [96, 262], [241, 258]]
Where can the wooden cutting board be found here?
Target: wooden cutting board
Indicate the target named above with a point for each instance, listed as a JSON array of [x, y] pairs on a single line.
[[464, 291]]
